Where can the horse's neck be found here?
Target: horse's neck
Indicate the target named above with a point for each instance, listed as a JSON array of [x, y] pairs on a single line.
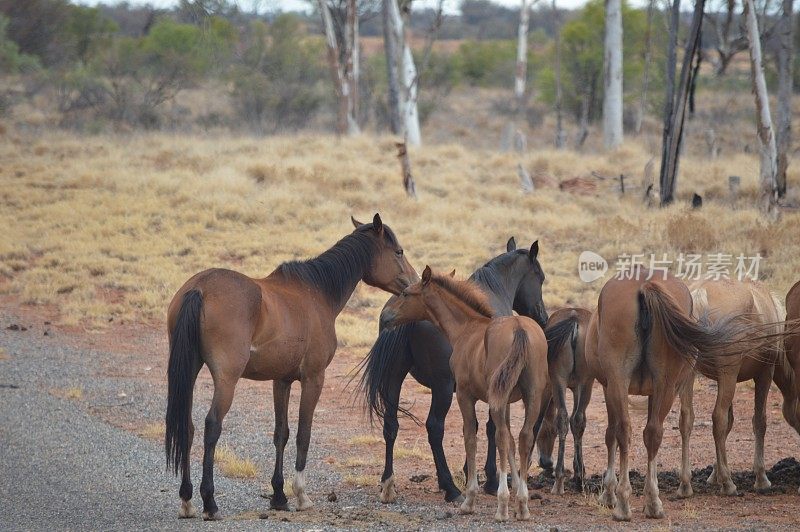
[[501, 289], [451, 314]]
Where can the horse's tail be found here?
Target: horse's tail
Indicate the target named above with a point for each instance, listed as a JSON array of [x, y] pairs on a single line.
[[558, 334], [702, 343], [184, 358], [390, 351], [507, 374]]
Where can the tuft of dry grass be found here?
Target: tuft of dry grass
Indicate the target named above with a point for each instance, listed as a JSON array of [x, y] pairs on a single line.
[[233, 466], [152, 431], [74, 393], [365, 439], [400, 452], [4, 354], [111, 226], [360, 480]]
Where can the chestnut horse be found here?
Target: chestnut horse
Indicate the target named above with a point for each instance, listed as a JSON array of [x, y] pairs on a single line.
[[715, 299], [567, 367], [279, 328], [643, 340], [513, 282], [495, 360]]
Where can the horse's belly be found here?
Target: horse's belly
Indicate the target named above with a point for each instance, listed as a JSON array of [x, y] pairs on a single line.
[[641, 386], [271, 366]]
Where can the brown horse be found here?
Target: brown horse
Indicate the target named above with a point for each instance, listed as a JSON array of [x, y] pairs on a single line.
[[715, 299], [566, 362], [495, 360], [279, 328], [642, 340], [788, 377]]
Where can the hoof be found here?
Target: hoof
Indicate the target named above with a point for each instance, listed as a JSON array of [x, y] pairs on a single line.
[[558, 487], [280, 504], [490, 488], [187, 510], [762, 484], [209, 516], [607, 498], [501, 516], [729, 489], [388, 491], [453, 497], [523, 514], [464, 509], [654, 510], [684, 491], [621, 515], [304, 503]]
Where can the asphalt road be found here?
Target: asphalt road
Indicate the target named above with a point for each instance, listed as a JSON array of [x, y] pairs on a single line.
[[61, 468]]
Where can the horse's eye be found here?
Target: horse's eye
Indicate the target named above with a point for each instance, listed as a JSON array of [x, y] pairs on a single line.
[[399, 252]]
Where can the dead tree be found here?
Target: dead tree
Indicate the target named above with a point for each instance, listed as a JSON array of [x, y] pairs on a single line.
[[612, 67], [674, 120], [561, 137], [648, 59], [785, 60], [766, 138], [403, 81], [731, 35], [344, 77]]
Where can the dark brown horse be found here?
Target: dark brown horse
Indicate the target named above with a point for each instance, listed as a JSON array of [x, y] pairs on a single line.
[[566, 363], [643, 340], [788, 377], [280, 328]]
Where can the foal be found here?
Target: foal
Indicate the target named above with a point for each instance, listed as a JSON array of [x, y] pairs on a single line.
[[566, 361], [497, 361], [716, 299], [642, 340], [280, 328]]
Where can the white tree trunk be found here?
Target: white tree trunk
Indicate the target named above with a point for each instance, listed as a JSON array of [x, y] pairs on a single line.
[[343, 81], [352, 71], [407, 78], [522, 56], [766, 136], [612, 98], [561, 137]]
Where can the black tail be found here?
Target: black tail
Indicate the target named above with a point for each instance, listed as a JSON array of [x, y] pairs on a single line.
[[184, 358], [558, 334], [380, 366]]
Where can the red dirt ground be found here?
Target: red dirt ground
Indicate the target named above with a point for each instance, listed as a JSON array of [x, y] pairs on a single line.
[[338, 420]]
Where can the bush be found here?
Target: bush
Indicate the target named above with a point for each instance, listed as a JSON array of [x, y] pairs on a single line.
[[487, 63], [12, 60]]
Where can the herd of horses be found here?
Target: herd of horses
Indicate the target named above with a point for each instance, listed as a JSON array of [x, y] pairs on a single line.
[[649, 335]]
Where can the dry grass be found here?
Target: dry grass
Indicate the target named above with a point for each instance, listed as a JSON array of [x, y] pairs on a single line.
[[152, 431], [365, 439], [111, 226], [73, 393], [360, 480], [233, 466], [4, 354], [401, 452]]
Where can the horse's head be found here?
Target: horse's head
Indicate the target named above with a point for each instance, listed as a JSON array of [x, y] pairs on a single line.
[[409, 305], [389, 270], [528, 297]]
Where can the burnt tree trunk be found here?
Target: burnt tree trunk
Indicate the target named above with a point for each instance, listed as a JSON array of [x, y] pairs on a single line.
[[785, 76], [673, 126]]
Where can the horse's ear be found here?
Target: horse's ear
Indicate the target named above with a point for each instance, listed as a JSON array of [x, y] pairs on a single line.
[[511, 245], [356, 223], [453, 273], [377, 224], [534, 251], [426, 275]]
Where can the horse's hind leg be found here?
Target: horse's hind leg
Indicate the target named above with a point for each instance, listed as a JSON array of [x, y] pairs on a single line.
[[441, 399], [546, 438], [503, 437], [390, 427], [187, 508], [311, 388], [619, 424], [686, 423], [280, 395], [608, 496], [721, 420], [581, 397], [762, 383], [224, 386], [658, 407], [534, 402], [559, 397]]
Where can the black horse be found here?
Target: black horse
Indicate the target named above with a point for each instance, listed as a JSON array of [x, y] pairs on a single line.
[[513, 282]]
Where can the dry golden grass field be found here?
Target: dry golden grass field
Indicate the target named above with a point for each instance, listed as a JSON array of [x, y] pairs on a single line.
[[109, 227]]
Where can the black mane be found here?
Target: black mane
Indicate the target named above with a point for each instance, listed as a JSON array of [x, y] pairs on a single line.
[[336, 272]]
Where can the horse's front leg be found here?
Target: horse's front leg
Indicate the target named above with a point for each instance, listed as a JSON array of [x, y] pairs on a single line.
[[311, 387], [280, 395]]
